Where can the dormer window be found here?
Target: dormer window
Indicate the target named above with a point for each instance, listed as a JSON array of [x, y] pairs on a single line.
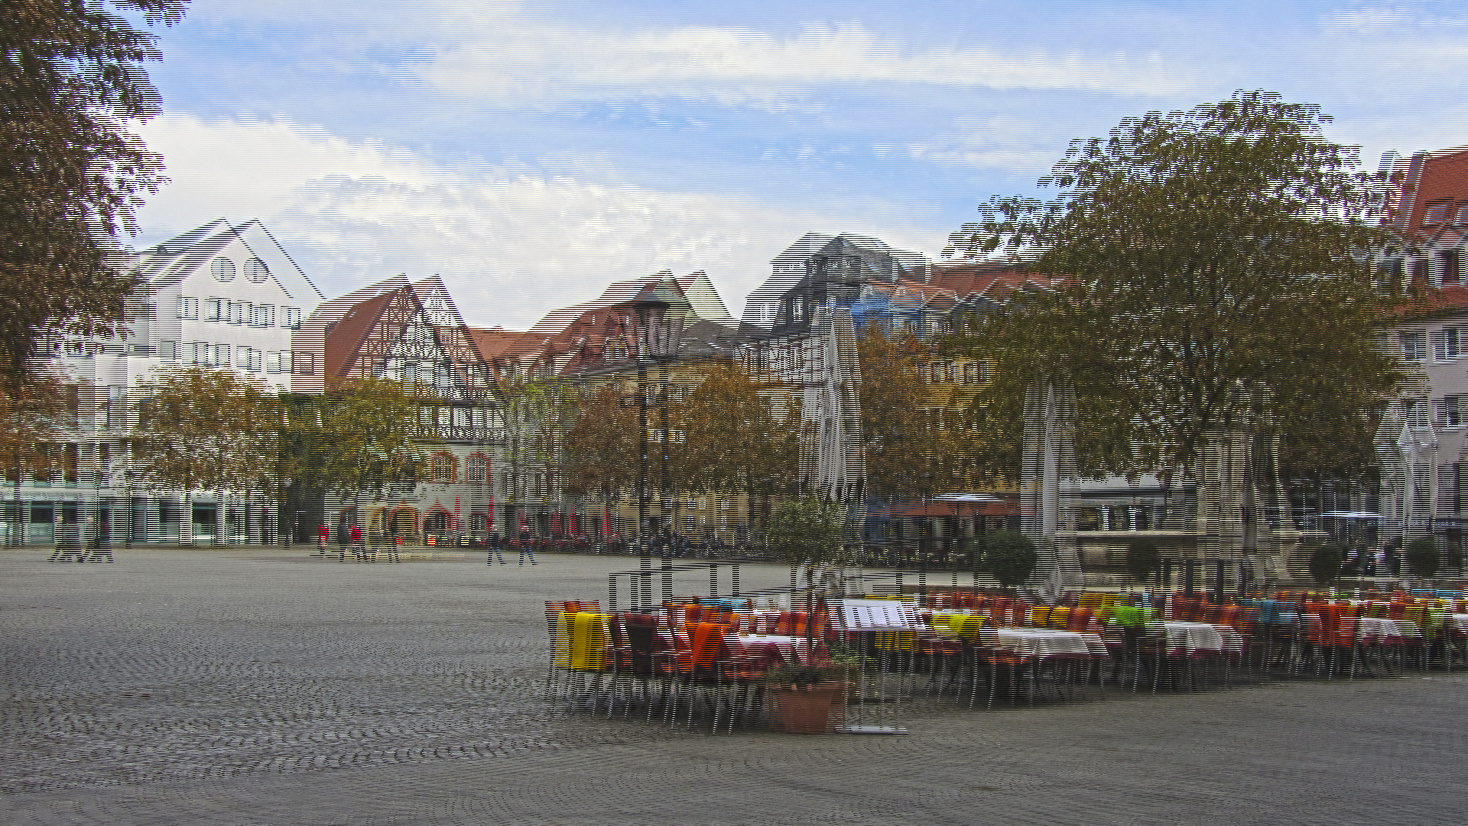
[[1437, 213]]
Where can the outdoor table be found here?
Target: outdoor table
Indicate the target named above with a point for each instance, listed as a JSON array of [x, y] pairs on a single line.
[[1193, 636], [1042, 642], [1379, 627], [1460, 621], [763, 621], [788, 649]]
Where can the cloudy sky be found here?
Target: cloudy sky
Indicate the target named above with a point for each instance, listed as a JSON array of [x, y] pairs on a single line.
[[532, 152]]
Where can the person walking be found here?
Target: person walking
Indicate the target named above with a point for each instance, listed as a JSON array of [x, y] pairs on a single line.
[[323, 536], [525, 547], [357, 550], [494, 549]]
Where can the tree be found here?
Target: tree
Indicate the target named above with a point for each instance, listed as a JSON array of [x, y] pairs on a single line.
[[601, 444], [734, 441], [71, 174], [806, 531], [1142, 559], [203, 429], [1010, 556], [1325, 562], [30, 417], [1423, 557], [365, 439], [1216, 280], [892, 394]]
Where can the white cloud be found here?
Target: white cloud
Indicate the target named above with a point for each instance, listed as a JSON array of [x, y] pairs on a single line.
[[1001, 142], [518, 62], [511, 244]]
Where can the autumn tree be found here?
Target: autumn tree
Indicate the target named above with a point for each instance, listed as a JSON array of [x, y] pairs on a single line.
[[201, 429], [742, 435], [601, 444], [71, 174], [30, 418], [1216, 280]]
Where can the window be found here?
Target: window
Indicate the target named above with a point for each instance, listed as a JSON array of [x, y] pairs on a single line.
[[1391, 271], [1450, 264], [272, 362], [239, 312], [305, 362], [188, 307], [1445, 344], [242, 357], [1414, 412], [285, 361], [689, 523], [1414, 349], [1421, 271], [168, 350], [442, 468], [256, 271], [476, 469], [223, 270], [291, 317], [970, 373], [1451, 413], [1437, 213], [262, 315], [723, 504], [214, 309], [221, 355], [1462, 217]]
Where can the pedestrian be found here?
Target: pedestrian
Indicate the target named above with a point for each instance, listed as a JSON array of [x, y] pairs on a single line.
[[525, 546], [357, 550], [494, 549], [323, 536]]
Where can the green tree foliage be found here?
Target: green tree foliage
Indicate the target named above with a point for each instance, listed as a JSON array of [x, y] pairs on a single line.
[[806, 531], [1215, 279], [1423, 557], [1142, 559], [1325, 562], [71, 174], [205, 429], [362, 439], [1010, 556]]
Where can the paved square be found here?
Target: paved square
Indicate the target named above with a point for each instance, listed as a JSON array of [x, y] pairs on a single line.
[[265, 687]]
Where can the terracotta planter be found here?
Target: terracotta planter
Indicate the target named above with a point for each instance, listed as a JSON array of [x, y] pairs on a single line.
[[813, 709]]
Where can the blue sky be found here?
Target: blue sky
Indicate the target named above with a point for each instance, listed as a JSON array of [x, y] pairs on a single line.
[[532, 152]]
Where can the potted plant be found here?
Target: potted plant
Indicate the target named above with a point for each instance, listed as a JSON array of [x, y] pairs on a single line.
[[806, 699]]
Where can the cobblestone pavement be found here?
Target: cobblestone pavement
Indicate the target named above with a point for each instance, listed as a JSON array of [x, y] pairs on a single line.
[[264, 687]]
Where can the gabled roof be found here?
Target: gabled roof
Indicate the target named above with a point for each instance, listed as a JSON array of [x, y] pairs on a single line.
[[177, 258]]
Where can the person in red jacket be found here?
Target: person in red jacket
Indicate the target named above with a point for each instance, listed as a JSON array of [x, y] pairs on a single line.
[[323, 536], [357, 550]]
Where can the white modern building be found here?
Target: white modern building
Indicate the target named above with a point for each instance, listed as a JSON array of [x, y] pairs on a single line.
[[221, 296]]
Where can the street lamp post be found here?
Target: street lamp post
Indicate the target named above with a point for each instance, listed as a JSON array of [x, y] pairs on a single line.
[[658, 341]]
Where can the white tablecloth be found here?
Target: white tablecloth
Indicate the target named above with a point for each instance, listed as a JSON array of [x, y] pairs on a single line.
[[1042, 642], [1193, 636], [1379, 627], [1459, 620]]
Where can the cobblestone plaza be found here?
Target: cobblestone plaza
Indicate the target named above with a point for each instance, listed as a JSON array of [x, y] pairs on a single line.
[[266, 687]]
